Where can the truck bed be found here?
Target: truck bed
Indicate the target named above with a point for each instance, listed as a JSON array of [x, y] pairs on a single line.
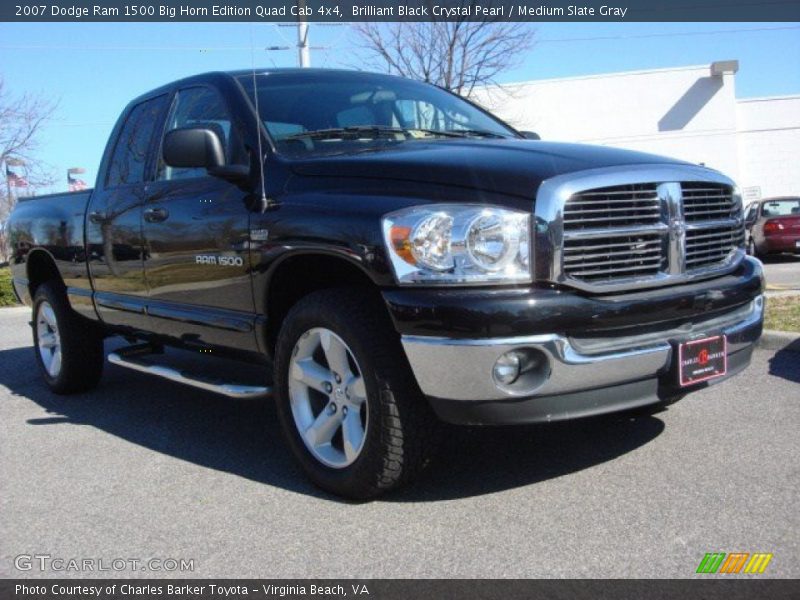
[[52, 223]]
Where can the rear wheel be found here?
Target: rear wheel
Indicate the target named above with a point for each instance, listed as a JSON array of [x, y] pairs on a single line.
[[752, 250], [69, 349], [348, 403]]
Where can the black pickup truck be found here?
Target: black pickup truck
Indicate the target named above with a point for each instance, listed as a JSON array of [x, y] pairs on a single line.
[[393, 255]]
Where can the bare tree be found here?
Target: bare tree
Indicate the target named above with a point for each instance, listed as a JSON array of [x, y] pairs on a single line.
[[459, 55], [21, 121]]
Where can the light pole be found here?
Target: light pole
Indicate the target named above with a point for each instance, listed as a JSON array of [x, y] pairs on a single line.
[[303, 54], [8, 186]]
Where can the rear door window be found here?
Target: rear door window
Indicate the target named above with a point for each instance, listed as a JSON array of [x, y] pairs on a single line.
[[129, 160]]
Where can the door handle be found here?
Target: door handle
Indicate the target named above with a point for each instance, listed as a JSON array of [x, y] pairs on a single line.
[[96, 217], [156, 215]]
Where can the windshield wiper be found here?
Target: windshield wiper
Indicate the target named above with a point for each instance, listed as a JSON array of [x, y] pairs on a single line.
[[459, 133], [379, 130], [481, 133], [336, 132]]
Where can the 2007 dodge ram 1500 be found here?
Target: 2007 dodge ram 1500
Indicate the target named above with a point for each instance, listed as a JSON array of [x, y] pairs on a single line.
[[395, 255]]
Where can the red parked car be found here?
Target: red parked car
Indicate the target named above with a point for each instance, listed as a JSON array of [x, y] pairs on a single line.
[[773, 226]]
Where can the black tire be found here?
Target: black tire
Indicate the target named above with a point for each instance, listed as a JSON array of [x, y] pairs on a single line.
[[752, 250], [81, 343], [402, 429]]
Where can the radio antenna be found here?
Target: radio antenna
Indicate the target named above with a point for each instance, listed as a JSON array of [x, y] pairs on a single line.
[[264, 200]]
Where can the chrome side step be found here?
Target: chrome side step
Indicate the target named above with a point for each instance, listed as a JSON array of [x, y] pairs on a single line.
[[126, 358]]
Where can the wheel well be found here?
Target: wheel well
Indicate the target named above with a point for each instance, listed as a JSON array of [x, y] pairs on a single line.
[[299, 276], [41, 268]]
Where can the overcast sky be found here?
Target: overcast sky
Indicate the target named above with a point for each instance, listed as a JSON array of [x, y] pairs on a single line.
[[94, 69]]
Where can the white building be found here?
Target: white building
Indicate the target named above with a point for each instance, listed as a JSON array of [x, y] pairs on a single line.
[[690, 113]]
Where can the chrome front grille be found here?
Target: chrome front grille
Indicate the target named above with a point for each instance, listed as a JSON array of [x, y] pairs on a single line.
[[618, 206], [706, 247], [615, 229], [707, 202], [598, 259]]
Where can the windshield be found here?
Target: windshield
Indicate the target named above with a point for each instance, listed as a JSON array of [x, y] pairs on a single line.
[[313, 113], [781, 208]]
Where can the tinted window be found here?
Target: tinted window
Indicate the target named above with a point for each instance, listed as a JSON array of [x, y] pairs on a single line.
[[205, 108], [291, 104], [130, 154], [417, 114]]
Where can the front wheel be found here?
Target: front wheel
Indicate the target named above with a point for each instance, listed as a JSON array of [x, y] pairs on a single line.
[[348, 403]]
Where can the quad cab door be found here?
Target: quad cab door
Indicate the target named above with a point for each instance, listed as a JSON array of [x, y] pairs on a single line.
[[196, 231], [115, 247]]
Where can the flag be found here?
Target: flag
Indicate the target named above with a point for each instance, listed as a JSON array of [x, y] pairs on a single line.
[[75, 184], [15, 180]]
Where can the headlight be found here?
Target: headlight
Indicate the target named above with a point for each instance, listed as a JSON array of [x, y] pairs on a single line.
[[453, 244]]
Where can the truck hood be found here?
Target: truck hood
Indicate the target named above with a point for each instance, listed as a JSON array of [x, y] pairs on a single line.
[[514, 167]]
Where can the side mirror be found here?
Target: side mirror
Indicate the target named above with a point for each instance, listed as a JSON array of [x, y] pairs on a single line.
[[232, 173], [530, 135], [193, 148]]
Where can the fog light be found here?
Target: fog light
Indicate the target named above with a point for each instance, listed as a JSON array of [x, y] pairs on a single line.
[[507, 368]]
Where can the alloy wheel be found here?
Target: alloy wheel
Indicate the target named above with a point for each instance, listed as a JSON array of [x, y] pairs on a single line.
[[48, 339], [328, 398]]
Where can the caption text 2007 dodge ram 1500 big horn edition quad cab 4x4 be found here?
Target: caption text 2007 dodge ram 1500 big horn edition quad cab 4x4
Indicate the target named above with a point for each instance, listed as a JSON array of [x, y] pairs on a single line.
[[395, 255]]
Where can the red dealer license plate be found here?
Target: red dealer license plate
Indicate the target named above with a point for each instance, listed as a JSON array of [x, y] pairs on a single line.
[[701, 360]]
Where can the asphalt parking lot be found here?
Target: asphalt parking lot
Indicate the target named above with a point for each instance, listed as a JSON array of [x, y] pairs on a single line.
[[143, 469]]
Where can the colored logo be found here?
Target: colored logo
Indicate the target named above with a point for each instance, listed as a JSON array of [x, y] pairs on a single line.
[[735, 562], [703, 356]]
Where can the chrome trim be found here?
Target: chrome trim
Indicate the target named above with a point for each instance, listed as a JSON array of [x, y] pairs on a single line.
[[231, 390], [618, 231], [672, 195], [457, 369], [462, 369], [549, 235]]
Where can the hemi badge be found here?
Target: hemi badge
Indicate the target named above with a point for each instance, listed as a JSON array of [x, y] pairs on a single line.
[[259, 235]]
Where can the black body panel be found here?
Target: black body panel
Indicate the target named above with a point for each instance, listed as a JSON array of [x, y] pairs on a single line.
[[530, 311], [52, 226], [511, 167]]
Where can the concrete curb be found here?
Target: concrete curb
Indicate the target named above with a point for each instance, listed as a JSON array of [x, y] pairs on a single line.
[[14, 307], [780, 340]]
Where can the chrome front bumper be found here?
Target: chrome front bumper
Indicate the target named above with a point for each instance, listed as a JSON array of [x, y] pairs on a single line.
[[461, 370]]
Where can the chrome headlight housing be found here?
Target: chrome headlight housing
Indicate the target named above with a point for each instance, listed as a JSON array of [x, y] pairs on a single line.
[[446, 244]]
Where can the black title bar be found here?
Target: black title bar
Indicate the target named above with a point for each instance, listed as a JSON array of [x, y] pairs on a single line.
[[397, 10], [390, 589]]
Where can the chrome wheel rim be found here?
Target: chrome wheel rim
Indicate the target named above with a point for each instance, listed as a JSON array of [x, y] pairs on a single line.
[[328, 398], [48, 339]]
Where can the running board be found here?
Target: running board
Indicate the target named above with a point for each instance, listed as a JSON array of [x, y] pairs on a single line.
[[126, 358]]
